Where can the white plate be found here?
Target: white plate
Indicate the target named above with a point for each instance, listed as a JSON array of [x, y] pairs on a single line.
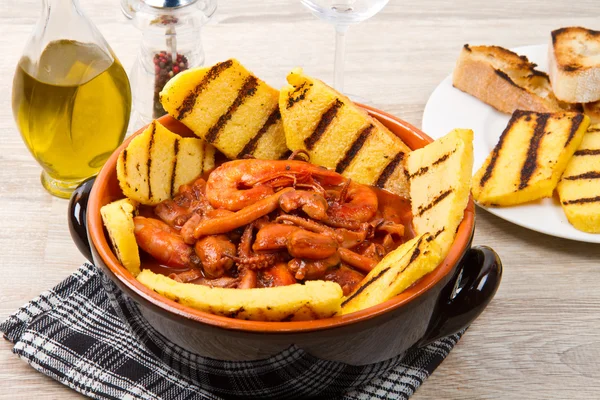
[[449, 108]]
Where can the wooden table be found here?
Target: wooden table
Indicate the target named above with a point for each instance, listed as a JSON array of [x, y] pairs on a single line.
[[539, 338]]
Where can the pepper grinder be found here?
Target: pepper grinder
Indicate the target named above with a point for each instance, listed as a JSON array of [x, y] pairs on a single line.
[[171, 43]]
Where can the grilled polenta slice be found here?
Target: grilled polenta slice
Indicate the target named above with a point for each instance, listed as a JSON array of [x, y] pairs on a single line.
[[397, 271], [440, 184], [229, 107], [118, 220], [312, 300], [158, 161], [579, 187], [531, 155], [341, 136]]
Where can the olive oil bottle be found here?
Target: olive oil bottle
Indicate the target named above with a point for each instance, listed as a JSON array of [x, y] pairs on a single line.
[[71, 104]]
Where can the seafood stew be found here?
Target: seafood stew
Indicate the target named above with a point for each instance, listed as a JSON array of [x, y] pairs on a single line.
[[267, 239], [264, 223]]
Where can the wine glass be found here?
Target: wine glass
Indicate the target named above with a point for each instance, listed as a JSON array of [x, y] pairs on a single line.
[[342, 14]]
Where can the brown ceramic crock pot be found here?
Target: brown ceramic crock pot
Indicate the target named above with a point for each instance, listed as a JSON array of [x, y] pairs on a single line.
[[441, 303]]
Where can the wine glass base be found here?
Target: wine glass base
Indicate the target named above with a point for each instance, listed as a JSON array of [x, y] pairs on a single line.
[[58, 188]]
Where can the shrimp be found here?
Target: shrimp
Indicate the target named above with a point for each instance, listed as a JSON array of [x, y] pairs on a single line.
[[240, 218], [356, 203], [164, 243], [240, 183]]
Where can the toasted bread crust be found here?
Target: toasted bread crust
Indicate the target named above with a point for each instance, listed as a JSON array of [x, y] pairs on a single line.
[[574, 64], [571, 58], [504, 80]]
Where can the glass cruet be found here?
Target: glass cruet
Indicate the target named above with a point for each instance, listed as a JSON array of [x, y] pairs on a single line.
[[71, 97], [171, 43]]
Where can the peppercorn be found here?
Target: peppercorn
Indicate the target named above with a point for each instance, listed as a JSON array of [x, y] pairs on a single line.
[[165, 69]]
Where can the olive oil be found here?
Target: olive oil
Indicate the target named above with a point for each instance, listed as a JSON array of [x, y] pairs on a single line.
[[72, 108]]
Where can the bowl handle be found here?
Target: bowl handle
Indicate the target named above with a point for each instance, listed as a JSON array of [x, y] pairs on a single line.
[[466, 295], [77, 217]]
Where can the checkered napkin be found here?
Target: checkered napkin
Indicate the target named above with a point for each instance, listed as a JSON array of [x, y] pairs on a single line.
[[89, 336]]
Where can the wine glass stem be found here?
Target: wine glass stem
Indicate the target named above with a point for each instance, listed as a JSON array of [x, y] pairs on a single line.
[[340, 54]]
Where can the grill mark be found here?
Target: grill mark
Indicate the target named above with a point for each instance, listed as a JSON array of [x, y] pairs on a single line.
[[575, 124], [247, 90], [415, 253], [587, 175], [325, 121], [354, 149], [174, 172], [422, 209], [389, 169], [572, 67], [293, 100], [439, 232], [496, 152], [530, 164], [366, 285], [440, 160], [251, 145], [190, 100], [443, 158], [587, 152], [149, 162], [125, 162], [413, 257], [582, 200]]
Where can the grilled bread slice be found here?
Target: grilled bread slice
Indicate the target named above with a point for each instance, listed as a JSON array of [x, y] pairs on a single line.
[[118, 220], [156, 162], [440, 185], [579, 187], [229, 107], [395, 273], [339, 135], [574, 64], [312, 300], [530, 157], [504, 80]]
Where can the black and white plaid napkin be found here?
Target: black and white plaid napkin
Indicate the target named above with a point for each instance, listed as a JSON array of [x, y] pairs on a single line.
[[75, 335]]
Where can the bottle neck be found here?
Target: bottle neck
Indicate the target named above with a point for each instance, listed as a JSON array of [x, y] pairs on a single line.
[[64, 20], [65, 8]]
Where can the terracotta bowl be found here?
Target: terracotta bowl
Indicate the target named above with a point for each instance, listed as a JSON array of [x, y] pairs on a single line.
[[440, 304]]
